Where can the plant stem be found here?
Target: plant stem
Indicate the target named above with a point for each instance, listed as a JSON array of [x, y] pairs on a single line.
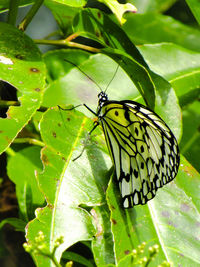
[[29, 141], [12, 13], [10, 151], [57, 264], [65, 42], [29, 16]]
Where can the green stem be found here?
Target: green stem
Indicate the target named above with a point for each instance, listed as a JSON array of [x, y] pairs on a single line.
[[29, 16], [68, 44], [10, 151], [13, 10], [57, 264], [29, 141]]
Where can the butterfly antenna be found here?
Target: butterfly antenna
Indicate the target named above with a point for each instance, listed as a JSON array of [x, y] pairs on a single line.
[[83, 73], [112, 78]]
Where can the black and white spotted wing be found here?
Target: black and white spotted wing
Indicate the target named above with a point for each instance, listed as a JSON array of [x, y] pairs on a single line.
[[143, 148]]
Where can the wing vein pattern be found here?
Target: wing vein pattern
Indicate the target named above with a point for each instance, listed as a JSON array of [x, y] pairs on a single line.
[[143, 149]]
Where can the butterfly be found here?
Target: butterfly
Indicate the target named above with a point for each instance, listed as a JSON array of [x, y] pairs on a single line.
[[143, 149]]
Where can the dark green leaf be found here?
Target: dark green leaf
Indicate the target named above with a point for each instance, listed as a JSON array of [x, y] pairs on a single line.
[[195, 8], [17, 223]]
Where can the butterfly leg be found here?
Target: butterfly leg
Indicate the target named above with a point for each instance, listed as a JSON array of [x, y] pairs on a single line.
[[69, 108], [96, 123]]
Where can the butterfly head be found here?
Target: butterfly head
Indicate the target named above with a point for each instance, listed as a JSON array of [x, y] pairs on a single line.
[[102, 98]]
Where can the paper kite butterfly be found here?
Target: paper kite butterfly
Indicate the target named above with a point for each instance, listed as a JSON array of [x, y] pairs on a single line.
[[143, 149]]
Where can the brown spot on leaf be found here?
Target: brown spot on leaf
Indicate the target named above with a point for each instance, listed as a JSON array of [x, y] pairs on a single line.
[[59, 124], [37, 89], [18, 56], [34, 70], [45, 159], [126, 252], [63, 158], [54, 134], [98, 34], [99, 15], [51, 206], [189, 170], [114, 221], [68, 119]]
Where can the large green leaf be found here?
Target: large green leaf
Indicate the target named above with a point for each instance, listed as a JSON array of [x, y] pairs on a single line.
[[74, 87], [121, 49], [67, 185], [94, 24], [140, 27], [21, 66], [157, 6], [181, 67], [195, 8]]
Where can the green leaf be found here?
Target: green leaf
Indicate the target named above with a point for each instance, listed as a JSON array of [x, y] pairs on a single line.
[[89, 23], [64, 12], [21, 66], [101, 70], [72, 3], [74, 87], [140, 27], [103, 245], [181, 67], [190, 142], [68, 185], [195, 8], [157, 6], [119, 9], [68, 255], [166, 220], [17, 223], [98, 26], [21, 170]]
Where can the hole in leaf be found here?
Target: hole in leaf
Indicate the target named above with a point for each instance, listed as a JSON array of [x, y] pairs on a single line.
[[7, 93]]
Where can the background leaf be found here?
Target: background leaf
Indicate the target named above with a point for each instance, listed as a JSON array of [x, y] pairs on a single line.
[[165, 29], [195, 8], [21, 170]]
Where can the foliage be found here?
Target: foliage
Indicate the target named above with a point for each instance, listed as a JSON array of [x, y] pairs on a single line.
[[69, 210]]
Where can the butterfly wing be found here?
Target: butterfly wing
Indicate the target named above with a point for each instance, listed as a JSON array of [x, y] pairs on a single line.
[[143, 149]]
